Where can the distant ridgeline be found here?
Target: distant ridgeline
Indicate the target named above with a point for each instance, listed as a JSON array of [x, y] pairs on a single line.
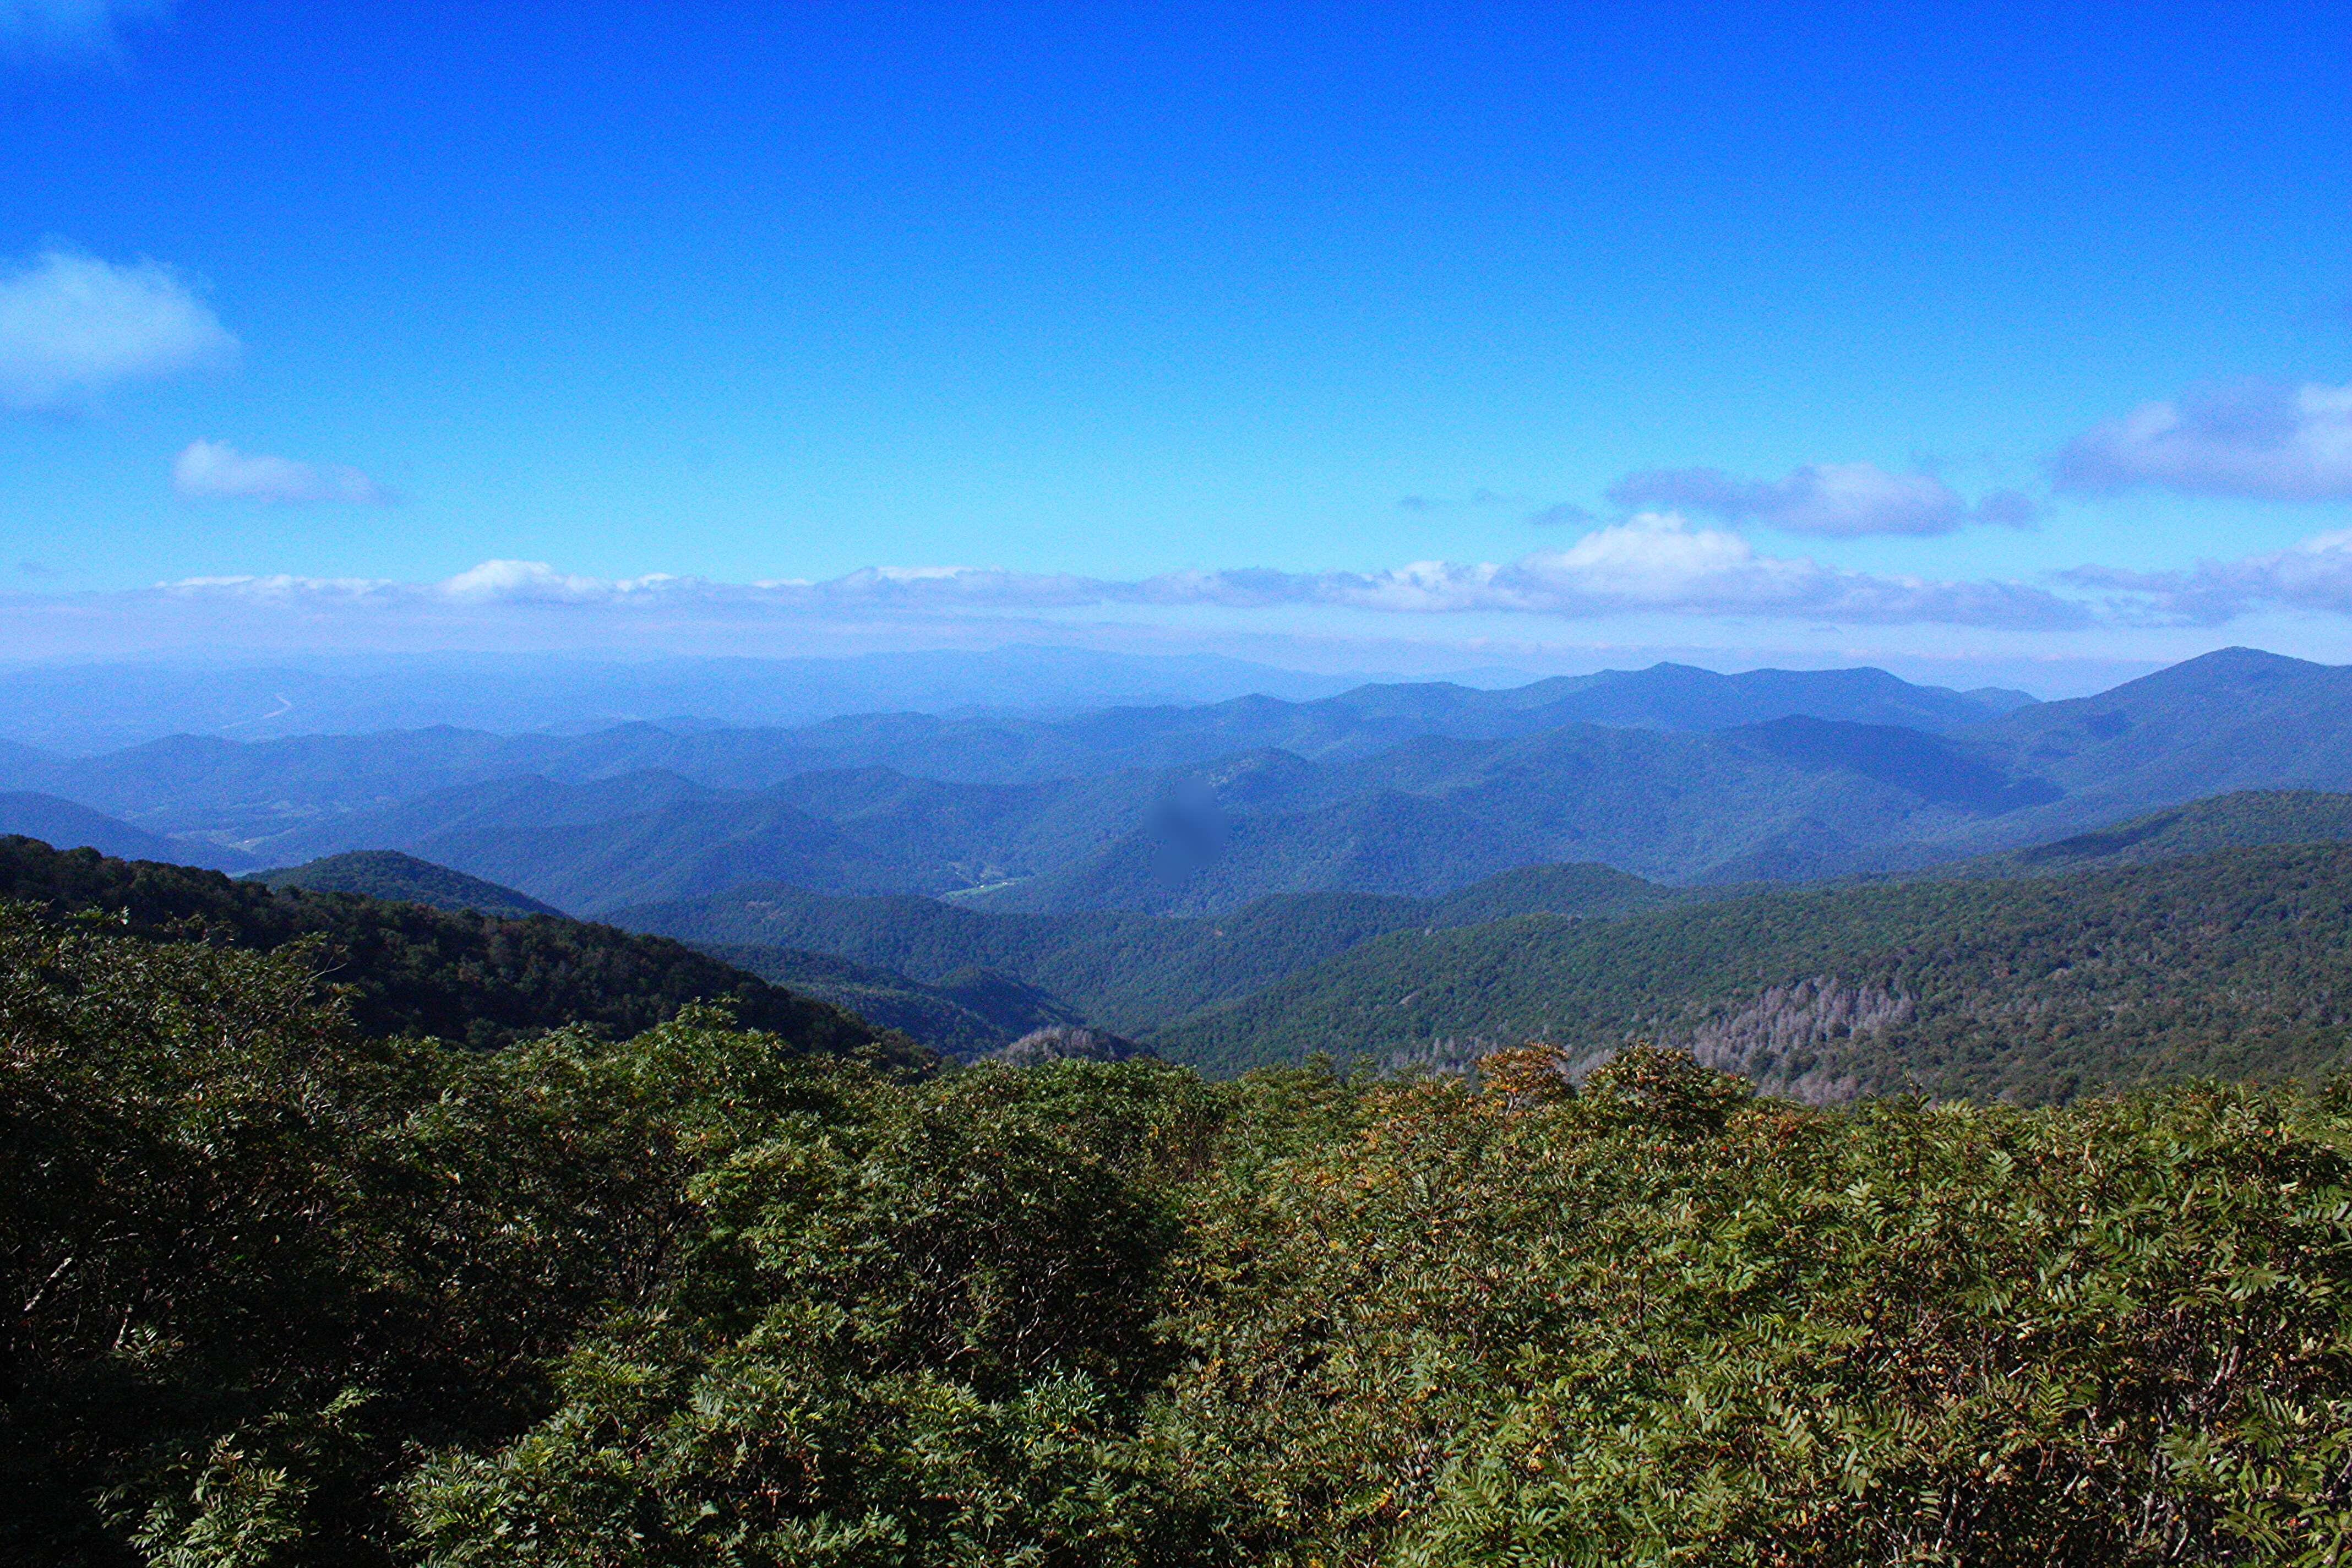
[[2132, 953], [407, 969], [1677, 776], [2143, 952]]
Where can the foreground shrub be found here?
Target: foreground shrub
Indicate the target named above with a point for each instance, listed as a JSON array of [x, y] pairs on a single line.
[[282, 1294]]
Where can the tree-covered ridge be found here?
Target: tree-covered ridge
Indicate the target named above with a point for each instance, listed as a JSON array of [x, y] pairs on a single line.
[[2236, 820], [2235, 963], [288, 1295], [410, 970], [389, 873]]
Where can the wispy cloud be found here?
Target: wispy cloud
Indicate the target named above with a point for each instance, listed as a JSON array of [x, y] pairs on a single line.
[[2314, 575], [74, 27], [1838, 500], [214, 470], [2253, 439], [1649, 564], [71, 326]]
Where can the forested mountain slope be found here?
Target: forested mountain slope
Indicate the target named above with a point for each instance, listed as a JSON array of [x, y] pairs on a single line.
[[1122, 970], [2222, 822], [2233, 964], [388, 874], [410, 970], [2237, 718]]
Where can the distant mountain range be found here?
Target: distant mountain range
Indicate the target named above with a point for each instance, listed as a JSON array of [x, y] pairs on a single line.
[[84, 706], [1673, 775]]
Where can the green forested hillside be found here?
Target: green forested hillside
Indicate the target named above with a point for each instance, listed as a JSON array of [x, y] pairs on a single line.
[[389, 873], [282, 1294], [410, 970], [1124, 970], [2222, 822], [2230, 964], [966, 1013]]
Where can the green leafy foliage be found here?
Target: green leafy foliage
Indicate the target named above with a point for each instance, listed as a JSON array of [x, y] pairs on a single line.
[[253, 1256], [281, 1293]]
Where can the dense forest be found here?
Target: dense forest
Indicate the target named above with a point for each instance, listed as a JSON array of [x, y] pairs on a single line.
[[285, 1291], [405, 879]]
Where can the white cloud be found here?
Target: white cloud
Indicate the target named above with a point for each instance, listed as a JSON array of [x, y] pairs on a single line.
[[75, 26], [215, 470], [71, 326], [1651, 564], [2252, 440], [2314, 575], [1839, 501]]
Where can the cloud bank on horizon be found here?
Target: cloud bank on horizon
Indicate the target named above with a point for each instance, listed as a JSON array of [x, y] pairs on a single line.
[[1651, 563]]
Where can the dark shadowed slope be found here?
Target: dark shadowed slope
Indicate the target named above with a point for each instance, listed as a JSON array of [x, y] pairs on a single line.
[[411, 969], [57, 821], [965, 1014]]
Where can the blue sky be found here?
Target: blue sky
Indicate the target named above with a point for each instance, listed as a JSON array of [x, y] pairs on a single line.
[[2005, 337]]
